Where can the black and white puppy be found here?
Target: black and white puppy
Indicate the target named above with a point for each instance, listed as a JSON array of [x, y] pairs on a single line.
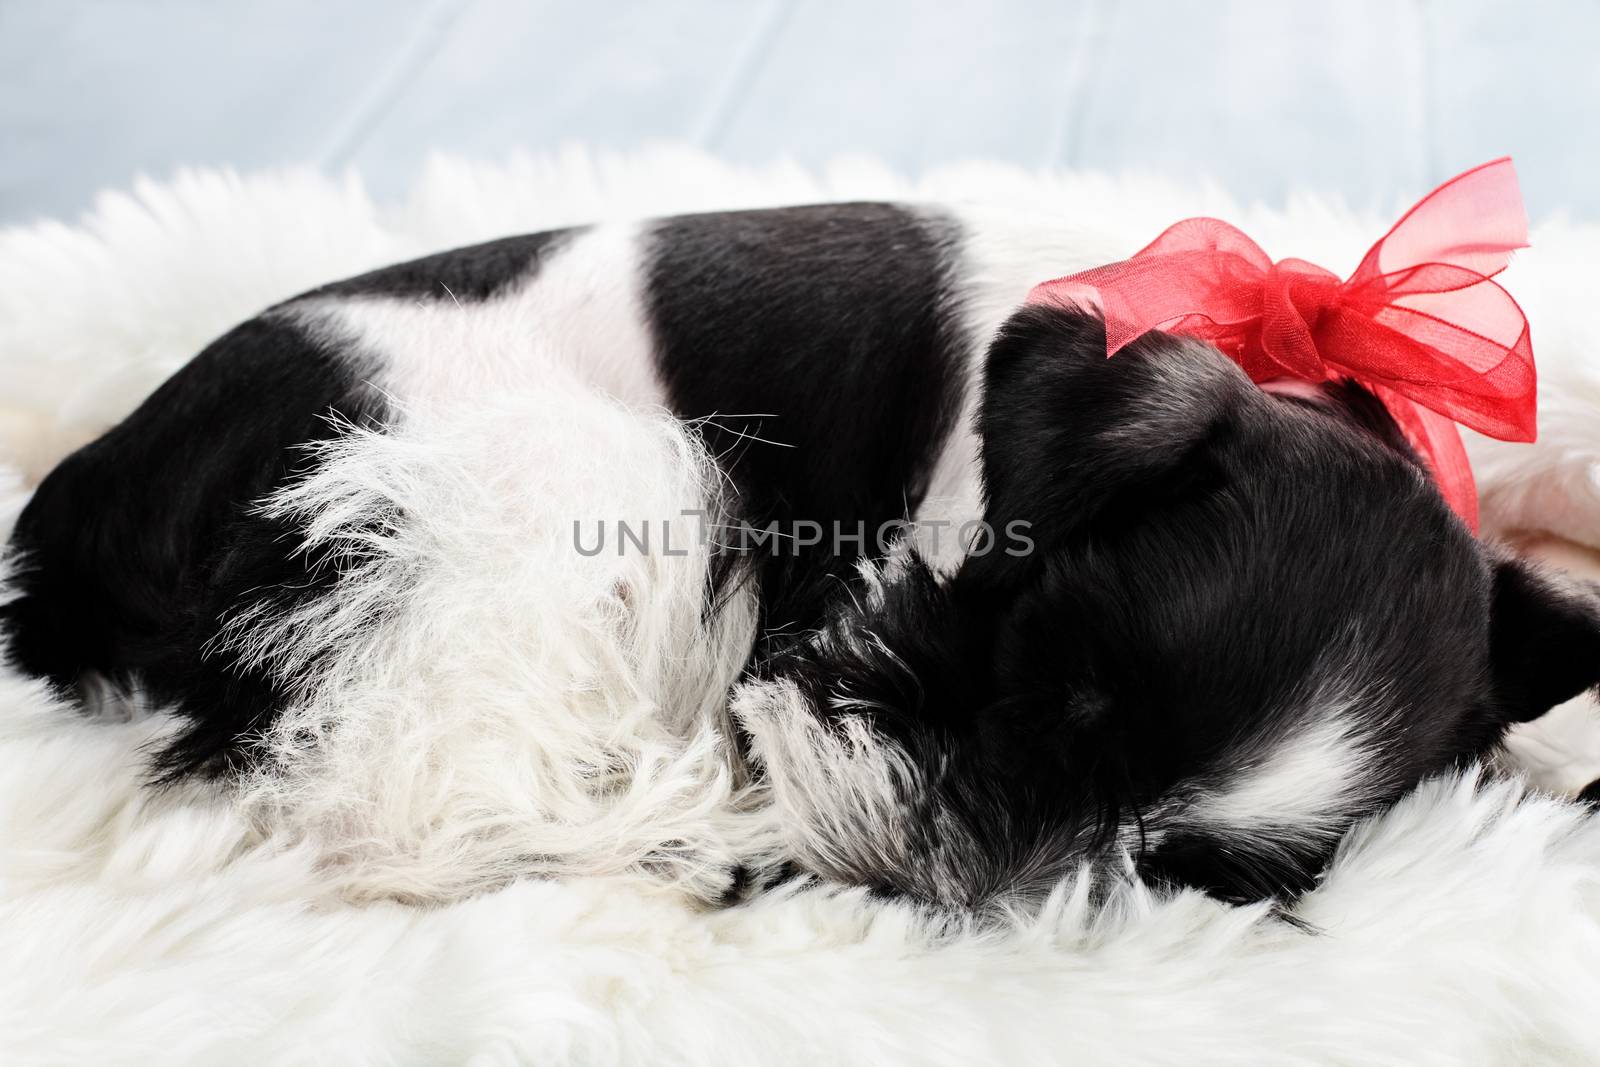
[[1131, 605]]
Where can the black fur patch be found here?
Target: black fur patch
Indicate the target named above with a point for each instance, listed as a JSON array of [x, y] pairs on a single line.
[[829, 330], [1591, 794], [476, 272], [1545, 640], [136, 546]]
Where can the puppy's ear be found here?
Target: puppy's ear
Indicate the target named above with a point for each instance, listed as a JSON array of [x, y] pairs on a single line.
[[1544, 639], [1067, 433]]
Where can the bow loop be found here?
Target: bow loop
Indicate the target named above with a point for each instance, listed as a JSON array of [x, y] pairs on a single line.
[[1421, 322], [1474, 221], [1298, 295]]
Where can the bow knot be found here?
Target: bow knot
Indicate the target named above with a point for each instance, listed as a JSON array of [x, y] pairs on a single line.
[[1421, 322], [1297, 297]]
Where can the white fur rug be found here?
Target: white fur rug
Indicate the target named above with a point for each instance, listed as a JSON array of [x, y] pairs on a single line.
[[1463, 927]]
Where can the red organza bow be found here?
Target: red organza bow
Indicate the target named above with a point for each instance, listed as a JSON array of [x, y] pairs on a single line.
[[1420, 323]]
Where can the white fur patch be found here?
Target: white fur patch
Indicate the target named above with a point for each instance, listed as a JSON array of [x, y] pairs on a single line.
[[855, 808], [489, 701], [579, 315], [839, 791], [1307, 785]]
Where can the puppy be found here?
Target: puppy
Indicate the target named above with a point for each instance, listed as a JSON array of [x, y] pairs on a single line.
[[977, 604]]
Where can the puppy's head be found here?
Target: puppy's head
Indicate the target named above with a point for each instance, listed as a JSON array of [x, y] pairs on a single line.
[[1237, 620]]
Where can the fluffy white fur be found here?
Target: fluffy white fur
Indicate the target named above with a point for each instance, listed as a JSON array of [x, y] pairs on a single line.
[[518, 705], [1462, 927]]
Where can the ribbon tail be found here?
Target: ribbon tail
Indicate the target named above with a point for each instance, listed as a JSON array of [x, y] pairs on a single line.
[[1437, 440]]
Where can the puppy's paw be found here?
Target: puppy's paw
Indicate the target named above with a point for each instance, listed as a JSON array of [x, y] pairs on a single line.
[[1560, 751]]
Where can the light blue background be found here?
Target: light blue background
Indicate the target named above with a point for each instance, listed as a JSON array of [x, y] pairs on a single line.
[[1375, 99]]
